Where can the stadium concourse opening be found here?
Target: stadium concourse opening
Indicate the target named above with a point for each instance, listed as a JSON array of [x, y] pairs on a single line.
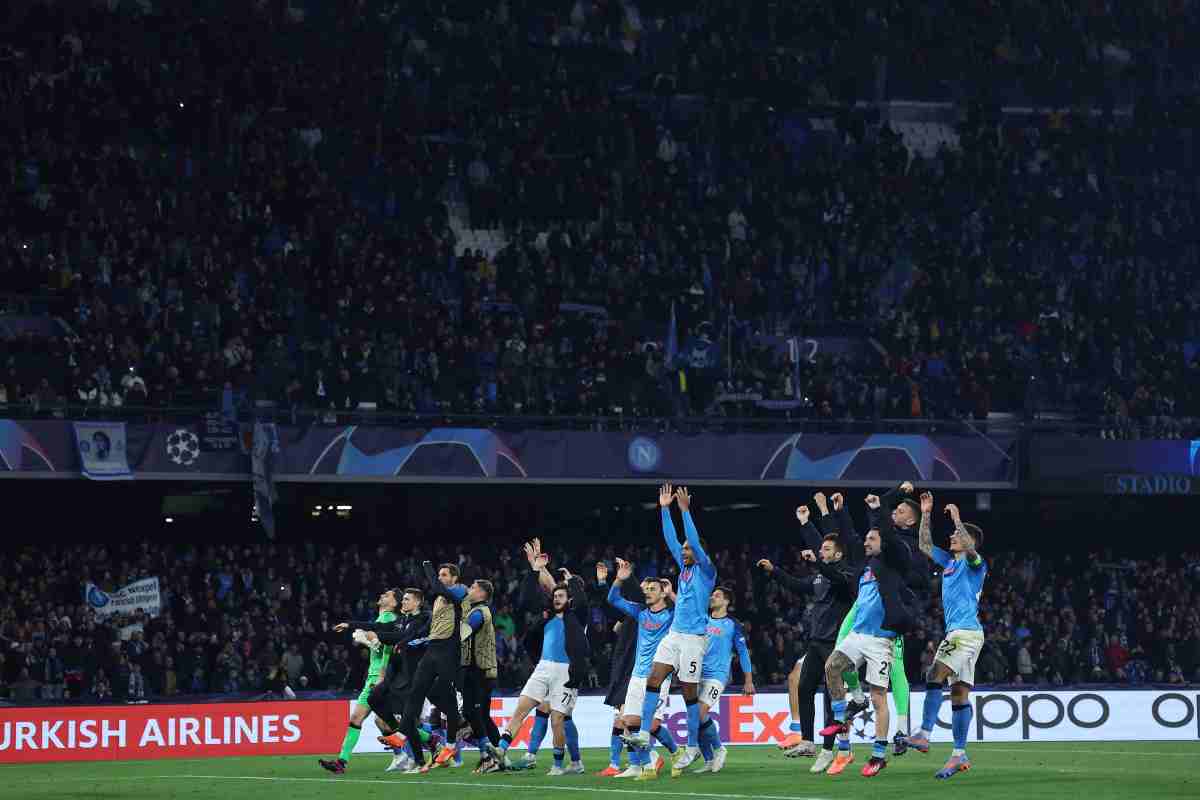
[[135, 511]]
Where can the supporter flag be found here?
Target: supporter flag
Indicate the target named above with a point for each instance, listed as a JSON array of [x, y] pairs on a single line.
[[140, 595], [672, 344], [262, 472], [101, 447]]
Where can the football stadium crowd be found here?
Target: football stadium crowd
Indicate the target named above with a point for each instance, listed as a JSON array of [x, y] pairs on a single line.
[[281, 203], [255, 619]]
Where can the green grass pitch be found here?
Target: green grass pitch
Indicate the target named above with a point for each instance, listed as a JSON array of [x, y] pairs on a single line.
[[1026, 771]]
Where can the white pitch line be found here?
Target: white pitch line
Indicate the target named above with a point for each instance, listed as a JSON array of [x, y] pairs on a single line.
[[541, 787]]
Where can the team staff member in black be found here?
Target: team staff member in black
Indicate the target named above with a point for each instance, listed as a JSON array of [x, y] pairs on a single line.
[[833, 591], [439, 666]]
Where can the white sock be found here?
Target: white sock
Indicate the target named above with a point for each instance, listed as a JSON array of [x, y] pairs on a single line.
[[926, 734], [957, 752], [902, 723]]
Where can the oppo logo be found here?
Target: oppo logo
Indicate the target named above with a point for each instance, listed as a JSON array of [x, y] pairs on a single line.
[[1041, 711]]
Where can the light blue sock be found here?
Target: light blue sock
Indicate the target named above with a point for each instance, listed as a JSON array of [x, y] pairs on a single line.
[[794, 727], [839, 710], [960, 722], [558, 756], [572, 739], [614, 748], [637, 756], [879, 750], [693, 712], [843, 743], [649, 704], [714, 734], [663, 734], [538, 735], [933, 701], [706, 748]]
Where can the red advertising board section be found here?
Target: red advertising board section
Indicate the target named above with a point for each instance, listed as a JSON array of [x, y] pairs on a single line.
[[122, 733]]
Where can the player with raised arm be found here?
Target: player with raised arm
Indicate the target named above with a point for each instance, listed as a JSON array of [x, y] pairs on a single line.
[[833, 589], [387, 603], [963, 574], [725, 636], [882, 615], [560, 645], [621, 665], [438, 674], [653, 619], [682, 651]]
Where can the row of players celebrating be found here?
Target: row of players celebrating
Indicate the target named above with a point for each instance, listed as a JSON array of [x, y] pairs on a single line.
[[866, 593]]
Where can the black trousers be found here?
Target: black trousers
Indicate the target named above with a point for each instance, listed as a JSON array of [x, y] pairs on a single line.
[[477, 703], [437, 679], [812, 674], [389, 697]]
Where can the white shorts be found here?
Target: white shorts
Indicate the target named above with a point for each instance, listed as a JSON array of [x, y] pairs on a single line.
[[548, 683], [960, 651], [685, 653], [710, 691], [635, 696], [874, 651]]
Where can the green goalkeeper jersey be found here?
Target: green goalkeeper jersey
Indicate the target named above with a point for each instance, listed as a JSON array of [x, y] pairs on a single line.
[[379, 658]]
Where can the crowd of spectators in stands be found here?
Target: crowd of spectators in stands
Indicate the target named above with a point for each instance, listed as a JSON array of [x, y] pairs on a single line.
[[255, 619], [230, 207]]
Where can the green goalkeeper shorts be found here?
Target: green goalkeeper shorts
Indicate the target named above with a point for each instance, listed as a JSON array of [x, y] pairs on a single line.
[[366, 692]]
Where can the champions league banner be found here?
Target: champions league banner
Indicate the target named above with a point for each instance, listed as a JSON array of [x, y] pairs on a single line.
[[177, 451], [101, 448]]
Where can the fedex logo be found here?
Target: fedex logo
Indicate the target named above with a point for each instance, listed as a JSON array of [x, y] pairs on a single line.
[[738, 721], [713, 630], [650, 625]]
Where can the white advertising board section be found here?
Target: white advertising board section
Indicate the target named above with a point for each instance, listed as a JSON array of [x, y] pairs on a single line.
[[1000, 716]]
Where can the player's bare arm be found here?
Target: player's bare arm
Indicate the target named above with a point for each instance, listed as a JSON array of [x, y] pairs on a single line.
[[925, 533]]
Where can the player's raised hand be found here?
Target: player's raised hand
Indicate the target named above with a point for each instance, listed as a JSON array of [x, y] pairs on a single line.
[[602, 571], [822, 502], [952, 510], [907, 487], [765, 563], [872, 501], [926, 502], [665, 494], [668, 589], [624, 570], [531, 555], [837, 500], [540, 561], [802, 514], [683, 498], [808, 555]]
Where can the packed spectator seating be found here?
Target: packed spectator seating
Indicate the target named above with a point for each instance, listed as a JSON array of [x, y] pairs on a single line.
[[250, 619], [269, 203]]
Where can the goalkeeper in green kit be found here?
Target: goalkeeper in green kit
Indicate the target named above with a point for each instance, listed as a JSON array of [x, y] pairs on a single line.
[[388, 601]]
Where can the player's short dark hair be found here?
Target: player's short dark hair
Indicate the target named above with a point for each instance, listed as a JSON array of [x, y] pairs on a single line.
[[561, 585], [397, 593], [486, 585], [725, 590], [975, 531], [835, 540], [415, 592], [452, 567]]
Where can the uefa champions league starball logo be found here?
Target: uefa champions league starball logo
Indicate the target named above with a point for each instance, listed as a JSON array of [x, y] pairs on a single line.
[[183, 447], [863, 723]]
